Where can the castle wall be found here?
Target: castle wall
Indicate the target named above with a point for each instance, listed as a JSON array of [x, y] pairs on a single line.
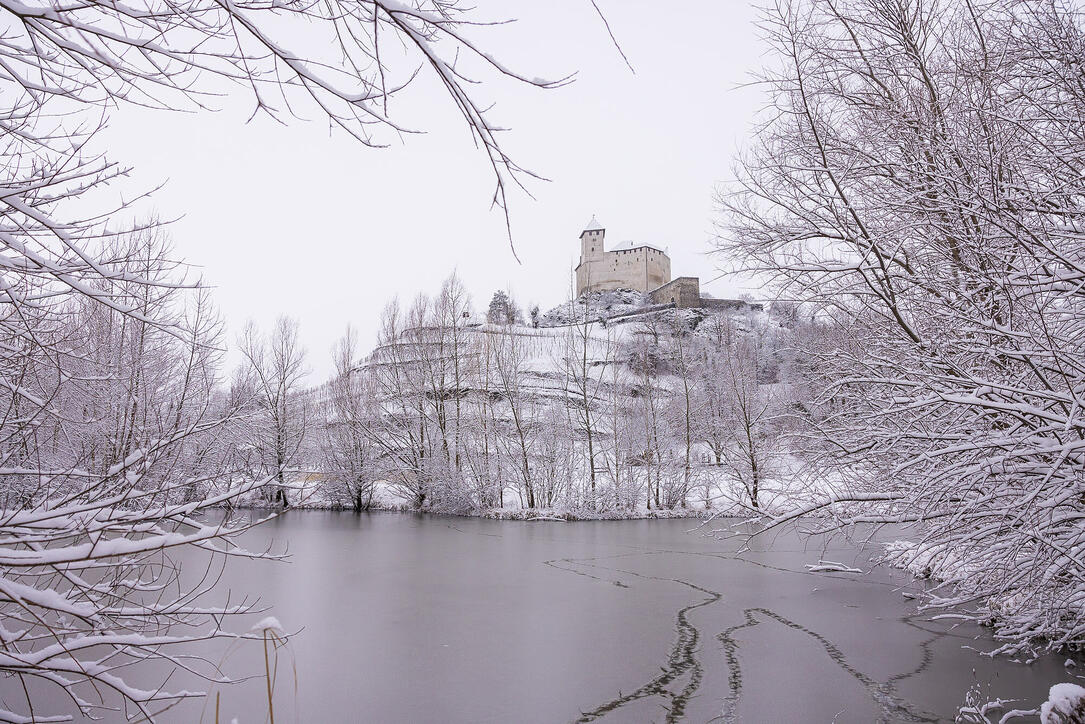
[[732, 305], [641, 268], [683, 292]]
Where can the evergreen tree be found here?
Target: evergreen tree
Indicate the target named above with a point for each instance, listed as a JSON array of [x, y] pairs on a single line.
[[503, 309]]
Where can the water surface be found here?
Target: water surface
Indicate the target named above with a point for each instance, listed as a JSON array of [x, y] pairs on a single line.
[[437, 619]]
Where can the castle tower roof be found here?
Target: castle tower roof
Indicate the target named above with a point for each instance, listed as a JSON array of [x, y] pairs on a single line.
[[593, 225]]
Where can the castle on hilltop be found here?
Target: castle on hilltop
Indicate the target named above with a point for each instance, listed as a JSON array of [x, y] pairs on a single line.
[[643, 268]]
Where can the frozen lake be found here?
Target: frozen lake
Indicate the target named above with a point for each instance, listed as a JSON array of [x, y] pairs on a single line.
[[436, 619]]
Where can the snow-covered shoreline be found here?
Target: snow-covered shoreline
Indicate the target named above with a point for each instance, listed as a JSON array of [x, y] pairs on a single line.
[[526, 515]]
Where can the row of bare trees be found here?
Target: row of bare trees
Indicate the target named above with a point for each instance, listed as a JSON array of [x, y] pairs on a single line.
[[454, 414], [920, 182]]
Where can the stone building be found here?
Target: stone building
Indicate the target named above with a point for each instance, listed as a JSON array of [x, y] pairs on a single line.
[[642, 268], [683, 292]]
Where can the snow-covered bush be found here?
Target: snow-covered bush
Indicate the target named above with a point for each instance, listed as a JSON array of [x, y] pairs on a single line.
[[1065, 705]]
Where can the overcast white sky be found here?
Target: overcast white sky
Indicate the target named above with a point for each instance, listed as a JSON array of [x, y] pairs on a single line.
[[294, 220]]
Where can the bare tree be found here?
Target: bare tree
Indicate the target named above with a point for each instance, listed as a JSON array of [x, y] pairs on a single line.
[[649, 367], [484, 458], [452, 310], [584, 360], [685, 368], [348, 67], [404, 429], [349, 448], [276, 368], [510, 359], [748, 408], [110, 459], [111, 451], [919, 182], [621, 413], [555, 458]]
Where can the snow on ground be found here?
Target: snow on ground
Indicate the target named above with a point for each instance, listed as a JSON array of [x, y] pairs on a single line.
[[543, 353], [594, 305]]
